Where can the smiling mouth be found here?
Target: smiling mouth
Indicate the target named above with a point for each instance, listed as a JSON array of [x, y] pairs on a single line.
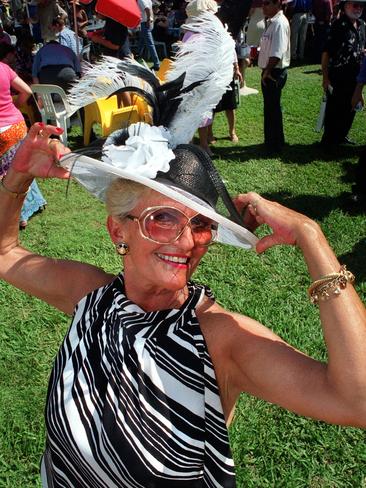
[[174, 259]]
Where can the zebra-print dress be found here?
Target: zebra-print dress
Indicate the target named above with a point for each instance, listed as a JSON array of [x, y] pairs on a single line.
[[133, 399]]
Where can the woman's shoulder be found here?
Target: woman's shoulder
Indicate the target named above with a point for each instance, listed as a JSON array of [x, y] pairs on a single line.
[[226, 323], [7, 71]]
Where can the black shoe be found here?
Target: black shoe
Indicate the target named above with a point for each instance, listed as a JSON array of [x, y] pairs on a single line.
[[348, 141], [355, 202]]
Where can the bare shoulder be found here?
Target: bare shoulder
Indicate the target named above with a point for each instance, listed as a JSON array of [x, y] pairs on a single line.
[[83, 278], [229, 327]]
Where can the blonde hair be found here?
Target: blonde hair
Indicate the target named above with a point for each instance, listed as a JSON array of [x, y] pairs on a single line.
[[198, 7], [123, 195]]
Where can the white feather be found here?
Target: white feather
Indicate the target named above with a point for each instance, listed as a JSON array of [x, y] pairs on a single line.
[[101, 80], [208, 55]]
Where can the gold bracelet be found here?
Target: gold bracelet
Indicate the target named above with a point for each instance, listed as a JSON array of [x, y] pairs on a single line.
[[14, 194], [330, 285]]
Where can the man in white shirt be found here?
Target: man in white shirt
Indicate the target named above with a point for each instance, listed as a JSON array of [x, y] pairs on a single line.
[[146, 37], [274, 58]]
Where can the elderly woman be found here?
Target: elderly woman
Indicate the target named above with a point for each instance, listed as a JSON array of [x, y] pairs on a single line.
[[147, 377]]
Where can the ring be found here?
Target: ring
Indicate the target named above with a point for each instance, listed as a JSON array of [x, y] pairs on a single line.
[[254, 206]]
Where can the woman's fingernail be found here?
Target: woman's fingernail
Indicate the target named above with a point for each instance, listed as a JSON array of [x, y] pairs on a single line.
[[42, 124], [59, 130]]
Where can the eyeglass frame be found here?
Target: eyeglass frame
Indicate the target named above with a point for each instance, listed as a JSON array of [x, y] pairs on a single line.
[[148, 210]]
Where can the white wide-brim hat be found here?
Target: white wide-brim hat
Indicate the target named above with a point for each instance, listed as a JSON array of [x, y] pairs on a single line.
[[186, 175]]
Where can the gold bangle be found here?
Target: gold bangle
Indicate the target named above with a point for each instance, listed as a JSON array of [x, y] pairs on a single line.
[[14, 194], [330, 285]]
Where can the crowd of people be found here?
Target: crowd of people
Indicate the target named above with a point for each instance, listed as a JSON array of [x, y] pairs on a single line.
[[46, 47], [146, 380]]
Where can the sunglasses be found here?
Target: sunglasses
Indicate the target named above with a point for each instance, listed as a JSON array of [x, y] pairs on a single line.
[[164, 225]]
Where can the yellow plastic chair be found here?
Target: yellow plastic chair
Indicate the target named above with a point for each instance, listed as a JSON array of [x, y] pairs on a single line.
[[145, 111], [165, 66], [29, 110], [105, 112]]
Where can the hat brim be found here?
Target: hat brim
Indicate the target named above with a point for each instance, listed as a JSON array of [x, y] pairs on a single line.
[[89, 172]]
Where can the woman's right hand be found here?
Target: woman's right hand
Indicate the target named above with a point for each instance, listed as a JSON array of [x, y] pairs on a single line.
[[38, 154]]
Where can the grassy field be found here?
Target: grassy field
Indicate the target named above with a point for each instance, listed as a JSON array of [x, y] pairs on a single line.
[[272, 448]]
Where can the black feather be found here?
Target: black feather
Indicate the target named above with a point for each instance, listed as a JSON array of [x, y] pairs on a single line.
[[150, 98], [140, 71], [177, 83], [164, 98]]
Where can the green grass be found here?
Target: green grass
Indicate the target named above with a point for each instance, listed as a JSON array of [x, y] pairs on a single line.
[[272, 448]]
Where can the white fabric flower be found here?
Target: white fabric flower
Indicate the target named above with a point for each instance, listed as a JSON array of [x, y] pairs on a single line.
[[145, 153]]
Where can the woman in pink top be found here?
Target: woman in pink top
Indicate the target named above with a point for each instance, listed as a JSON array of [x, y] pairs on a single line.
[[12, 125], [12, 130]]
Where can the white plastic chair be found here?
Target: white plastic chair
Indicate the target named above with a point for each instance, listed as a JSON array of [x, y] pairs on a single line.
[[58, 112]]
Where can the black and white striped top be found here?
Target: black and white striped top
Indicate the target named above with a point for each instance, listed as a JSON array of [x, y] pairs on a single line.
[[133, 399]]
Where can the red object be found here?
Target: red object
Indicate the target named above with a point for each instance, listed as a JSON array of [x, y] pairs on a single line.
[[125, 12], [90, 34]]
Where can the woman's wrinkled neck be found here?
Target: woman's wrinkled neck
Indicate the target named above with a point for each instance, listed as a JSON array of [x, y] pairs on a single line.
[[151, 298]]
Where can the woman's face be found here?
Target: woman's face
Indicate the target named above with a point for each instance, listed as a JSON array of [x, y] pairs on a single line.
[[166, 266]]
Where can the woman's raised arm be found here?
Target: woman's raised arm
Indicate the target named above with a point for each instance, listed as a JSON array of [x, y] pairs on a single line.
[[60, 283], [269, 368]]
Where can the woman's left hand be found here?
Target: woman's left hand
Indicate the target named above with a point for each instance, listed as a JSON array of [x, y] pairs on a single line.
[[287, 226]]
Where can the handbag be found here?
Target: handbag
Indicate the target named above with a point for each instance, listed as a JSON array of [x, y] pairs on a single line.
[[320, 121]]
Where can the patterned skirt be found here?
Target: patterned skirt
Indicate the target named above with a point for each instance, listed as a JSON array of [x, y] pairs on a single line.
[[8, 138]]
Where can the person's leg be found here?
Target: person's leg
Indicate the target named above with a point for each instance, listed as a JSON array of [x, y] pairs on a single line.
[[359, 188], [273, 124], [203, 135], [230, 115], [338, 114], [302, 35], [149, 42], [330, 134], [295, 27], [211, 139], [141, 41], [348, 113]]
